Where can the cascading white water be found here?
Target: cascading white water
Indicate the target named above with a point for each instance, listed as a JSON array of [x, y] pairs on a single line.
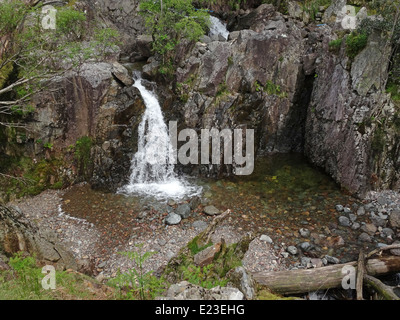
[[217, 27], [152, 172]]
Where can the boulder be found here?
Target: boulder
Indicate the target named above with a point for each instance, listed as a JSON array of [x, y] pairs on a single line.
[[17, 233]]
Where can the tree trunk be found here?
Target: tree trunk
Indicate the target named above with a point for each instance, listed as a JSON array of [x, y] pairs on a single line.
[[307, 280]]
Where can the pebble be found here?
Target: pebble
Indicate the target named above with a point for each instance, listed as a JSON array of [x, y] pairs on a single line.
[[346, 210], [292, 250], [364, 237], [352, 217], [332, 260], [284, 254], [305, 233], [361, 211], [305, 246], [339, 208], [173, 219], [266, 238], [306, 262], [356, 226], [211, 210], [344, 221], [369, 228]]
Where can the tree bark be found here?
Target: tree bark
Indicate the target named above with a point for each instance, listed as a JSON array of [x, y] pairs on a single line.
[[307, 280]]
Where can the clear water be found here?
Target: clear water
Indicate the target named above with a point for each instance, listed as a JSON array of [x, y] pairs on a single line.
[[152, 168]]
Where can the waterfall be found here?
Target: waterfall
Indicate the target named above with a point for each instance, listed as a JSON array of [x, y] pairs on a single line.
[[152, 171], [217, 27]]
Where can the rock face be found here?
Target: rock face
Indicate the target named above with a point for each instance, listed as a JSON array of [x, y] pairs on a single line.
[[18, 234], [339, 135], [274, 74]]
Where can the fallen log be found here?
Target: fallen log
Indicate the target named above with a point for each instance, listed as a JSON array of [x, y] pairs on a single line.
[[385, 291], [308, 280]]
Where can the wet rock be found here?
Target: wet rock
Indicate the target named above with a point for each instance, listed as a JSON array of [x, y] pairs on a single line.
[[183, 210], [211, 210], [173, 219], [171, 202], [364, 237], [344, 221]]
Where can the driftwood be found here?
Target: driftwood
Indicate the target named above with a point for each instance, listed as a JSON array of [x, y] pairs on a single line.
[[308, 280]]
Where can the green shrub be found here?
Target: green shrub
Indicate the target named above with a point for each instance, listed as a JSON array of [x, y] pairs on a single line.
[[355, 43], [335, 45], [136, 283]]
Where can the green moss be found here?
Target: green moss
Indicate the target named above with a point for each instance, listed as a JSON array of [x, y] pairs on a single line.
[[394, 90], [83, 147], [5, 72], [194, 246], [378, 141], [29, 178], [266, 294]]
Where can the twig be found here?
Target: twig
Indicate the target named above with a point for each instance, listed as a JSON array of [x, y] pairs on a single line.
[[392, 246], [360, 275]]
